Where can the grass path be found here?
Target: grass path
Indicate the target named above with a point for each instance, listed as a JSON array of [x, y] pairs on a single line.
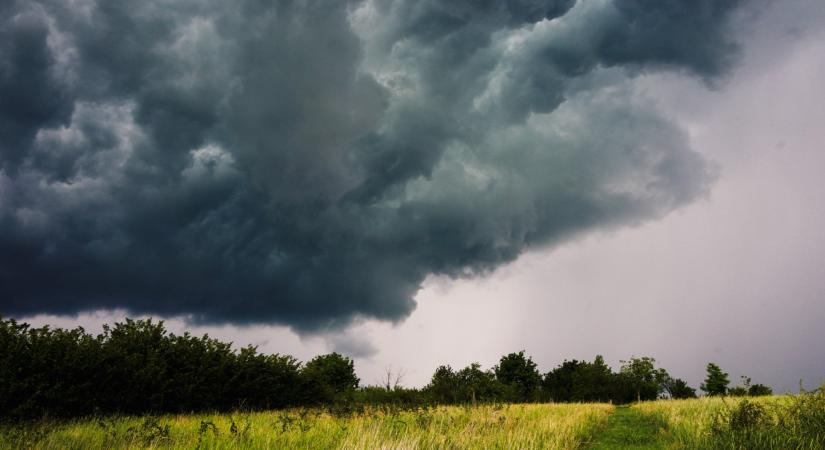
[[629, 428]]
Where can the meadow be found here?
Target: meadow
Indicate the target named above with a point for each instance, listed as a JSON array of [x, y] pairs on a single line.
[[502, 426], [772, 422]]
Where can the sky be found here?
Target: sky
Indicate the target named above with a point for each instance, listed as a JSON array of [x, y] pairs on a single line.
[[424, 183]]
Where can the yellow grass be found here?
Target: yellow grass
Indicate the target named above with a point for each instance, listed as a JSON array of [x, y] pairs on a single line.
[[559, 426], [690, 423]]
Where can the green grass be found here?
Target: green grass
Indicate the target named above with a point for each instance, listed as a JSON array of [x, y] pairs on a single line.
[[631, 428], [775, 422], [558, 426], [778, 422]]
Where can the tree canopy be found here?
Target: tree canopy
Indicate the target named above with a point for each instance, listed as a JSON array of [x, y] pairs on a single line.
[[716, 382], [137, 366]]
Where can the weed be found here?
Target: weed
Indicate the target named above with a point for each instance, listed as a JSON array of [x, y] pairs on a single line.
[[150, 431], [236, 432], [285, 420], [205, 427]]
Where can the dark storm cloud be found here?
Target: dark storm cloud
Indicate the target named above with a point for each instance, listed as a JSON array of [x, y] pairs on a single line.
[[308, 162]]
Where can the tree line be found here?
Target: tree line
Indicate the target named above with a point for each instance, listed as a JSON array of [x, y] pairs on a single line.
[[137, 367]]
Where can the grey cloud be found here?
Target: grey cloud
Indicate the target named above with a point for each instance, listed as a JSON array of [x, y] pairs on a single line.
[[431, 20], [351, 345], [311, 162], [31, 94], [677, 33]]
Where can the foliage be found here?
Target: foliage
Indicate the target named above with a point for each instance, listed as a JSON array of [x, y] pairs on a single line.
[[758, 390], [641, 379], [328, 378], [580, 381], [746, 388], [638, 379], [400, 396], [476, 385], [444, 386], [519, 377], [716, 382], [677, 388], [138, 367], [737, 391]]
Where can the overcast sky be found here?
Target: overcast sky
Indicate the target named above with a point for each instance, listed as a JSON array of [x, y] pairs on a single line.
[[416, 183]]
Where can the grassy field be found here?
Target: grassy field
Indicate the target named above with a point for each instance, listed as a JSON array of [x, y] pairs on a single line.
[[778, 422], [560, 426]]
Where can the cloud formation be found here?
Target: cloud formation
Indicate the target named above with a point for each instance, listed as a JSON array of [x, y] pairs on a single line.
[[310, 162]]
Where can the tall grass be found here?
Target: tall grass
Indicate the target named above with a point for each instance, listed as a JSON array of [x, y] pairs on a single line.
[[777, 422], [560, 426]]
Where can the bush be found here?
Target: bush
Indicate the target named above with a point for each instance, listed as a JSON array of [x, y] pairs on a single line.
[[134, 367], [759, 390], [444, 386], [328, 378]]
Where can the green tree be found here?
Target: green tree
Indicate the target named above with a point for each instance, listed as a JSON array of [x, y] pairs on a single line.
[[642, 377], [329, 378], [677, 388], [595, 381], [443, 387], [519, 375], [476, 385], [737, 391], [759, 389], [136, 366], [559, 384], [580, 381], [716, 382], [265, 380], [742, 389], [747, 388]]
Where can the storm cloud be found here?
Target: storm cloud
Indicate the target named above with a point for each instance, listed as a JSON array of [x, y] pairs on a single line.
[[312, 162]]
